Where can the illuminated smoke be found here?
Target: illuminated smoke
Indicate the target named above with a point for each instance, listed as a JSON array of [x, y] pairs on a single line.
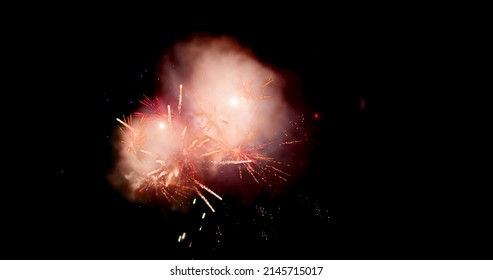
[[220, 117]]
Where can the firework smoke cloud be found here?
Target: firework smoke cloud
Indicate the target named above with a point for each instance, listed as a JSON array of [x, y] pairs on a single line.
[[219, 124]]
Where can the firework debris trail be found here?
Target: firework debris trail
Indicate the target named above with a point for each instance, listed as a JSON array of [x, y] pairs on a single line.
[[228, 110]]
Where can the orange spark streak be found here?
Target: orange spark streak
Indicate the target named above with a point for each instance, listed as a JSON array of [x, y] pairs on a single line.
[[205, 200], [203, 142], [250, 170], [180, 98], [278, 170], [207, 189], [291, 142], [268, 82], [126, 125], [149, 153], [224, 162], [169, 115], [193, 143], [210, 153]]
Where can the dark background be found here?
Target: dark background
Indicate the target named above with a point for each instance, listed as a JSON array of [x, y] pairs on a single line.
[[387, 181]]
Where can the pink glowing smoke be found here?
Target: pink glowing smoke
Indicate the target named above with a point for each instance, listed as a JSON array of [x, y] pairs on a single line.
[[228, 125]]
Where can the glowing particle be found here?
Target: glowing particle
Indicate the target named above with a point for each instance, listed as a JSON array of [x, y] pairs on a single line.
[[203, 215], [162, 125], [234, 101], [183, 236], [194, 200]]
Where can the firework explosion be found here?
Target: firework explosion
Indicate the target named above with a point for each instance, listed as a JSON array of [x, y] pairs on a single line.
[[221, 119]]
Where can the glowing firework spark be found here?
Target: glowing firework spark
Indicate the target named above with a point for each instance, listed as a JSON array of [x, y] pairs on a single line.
[[175, 176], [218, 124]]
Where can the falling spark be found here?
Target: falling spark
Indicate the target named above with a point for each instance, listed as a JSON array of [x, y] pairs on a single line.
[[250, 170], [278, 170], [180, 99], [148, 153], [125, 124], [291, 142], [193, 144], [203, 142], [205, 200], [268, 82], [207, 189], [169, 115]]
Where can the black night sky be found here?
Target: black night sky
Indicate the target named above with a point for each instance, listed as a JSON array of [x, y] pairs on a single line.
[[379, 183]]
